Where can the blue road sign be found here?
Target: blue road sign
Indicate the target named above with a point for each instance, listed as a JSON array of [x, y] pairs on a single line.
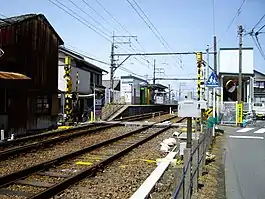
[[212, 81]]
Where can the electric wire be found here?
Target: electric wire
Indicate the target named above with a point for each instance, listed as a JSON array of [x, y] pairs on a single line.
[[231, 23], [102, 34], [87, 24], [149, 26], [89, 16], [158, 32], [258, 22], [114, 19]]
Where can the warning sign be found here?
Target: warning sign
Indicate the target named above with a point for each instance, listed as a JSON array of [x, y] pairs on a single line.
[[239, 113]]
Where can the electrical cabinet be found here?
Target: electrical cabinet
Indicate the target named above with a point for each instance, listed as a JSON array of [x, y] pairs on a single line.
[[189, 108]]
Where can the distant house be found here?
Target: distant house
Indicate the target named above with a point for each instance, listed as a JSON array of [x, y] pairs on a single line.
[[30, 46], [131, 89], [259, 86], [116, 84], [88, 75], [159, 93]]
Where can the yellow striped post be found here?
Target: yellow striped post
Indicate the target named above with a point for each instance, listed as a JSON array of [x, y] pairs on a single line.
[[68, 91], [199, 69]]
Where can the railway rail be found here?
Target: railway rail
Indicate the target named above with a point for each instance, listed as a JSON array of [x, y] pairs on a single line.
[[53, 169], [32, 142], [141, 117], [44, 135], [53, 138], [53, 134]]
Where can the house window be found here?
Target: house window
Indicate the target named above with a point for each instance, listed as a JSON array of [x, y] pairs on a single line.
[[262, 84], [256, 84], [42, 104]]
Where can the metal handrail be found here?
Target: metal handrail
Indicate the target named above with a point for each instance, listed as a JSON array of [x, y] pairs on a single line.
[[186, 166]]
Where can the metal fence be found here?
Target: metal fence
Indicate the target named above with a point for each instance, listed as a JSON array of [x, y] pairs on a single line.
[[194, 160]]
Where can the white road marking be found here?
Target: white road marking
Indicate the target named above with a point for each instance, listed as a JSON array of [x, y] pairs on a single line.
[[260, 131], [244, 130], [246, 137]]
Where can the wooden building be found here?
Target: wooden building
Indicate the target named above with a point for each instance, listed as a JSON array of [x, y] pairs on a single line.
[[30, 46]]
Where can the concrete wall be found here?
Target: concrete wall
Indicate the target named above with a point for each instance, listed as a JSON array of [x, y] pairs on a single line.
[[137, 110]]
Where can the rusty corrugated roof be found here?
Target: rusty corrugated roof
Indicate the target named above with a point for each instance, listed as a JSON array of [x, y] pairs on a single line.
[[10, 75]]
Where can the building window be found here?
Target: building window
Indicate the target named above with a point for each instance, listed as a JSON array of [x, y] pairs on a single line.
[[261, 84], [42, 104], [256, 84]]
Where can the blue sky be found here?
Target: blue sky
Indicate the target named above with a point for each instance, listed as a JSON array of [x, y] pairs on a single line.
[[186, 25]]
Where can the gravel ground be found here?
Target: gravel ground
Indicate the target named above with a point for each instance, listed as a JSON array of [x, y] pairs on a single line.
[[54, 134], [214, 181], [122, 178], [166, 185], [50, 152], [158, 118]]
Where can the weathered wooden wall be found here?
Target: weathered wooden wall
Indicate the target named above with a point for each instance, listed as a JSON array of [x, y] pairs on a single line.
[[31, 48]]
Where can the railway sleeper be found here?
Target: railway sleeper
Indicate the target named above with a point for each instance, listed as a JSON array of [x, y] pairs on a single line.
[[58, 175]]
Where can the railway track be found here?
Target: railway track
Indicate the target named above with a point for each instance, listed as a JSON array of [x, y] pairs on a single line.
[[25, 144], [56, 175], [45, 135], [141, 117]]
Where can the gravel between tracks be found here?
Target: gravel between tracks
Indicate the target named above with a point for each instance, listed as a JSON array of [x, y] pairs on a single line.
[[52, 151], [158, 118], [120, 179]]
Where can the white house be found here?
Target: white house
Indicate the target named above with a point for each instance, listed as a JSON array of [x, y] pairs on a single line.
[[130, 89], [88, 75]]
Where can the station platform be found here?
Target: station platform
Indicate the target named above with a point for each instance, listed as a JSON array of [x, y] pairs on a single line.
[[143, 123]]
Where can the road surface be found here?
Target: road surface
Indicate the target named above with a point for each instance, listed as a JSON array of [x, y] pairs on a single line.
[[245, 162]]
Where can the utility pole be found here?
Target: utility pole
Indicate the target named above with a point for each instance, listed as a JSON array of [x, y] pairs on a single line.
[[239, 90], [154, 78], [169, 93], [112, 64], [207, 75], [215, 54], [179, 90]]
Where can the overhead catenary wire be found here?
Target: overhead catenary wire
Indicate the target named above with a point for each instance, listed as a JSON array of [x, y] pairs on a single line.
[[89, 16], [231, 23], [254, 34], [83, 55], [122, 27], [87, 24], [260, 29], [258, 22], [78, 7], [150, 26], [95, 29], [256, 42], [158, 32]]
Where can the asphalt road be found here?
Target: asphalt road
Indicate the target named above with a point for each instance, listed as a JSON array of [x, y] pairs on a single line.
[[245, 162]]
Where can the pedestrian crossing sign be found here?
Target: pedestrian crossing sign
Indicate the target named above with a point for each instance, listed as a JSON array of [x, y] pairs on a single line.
[[212, 81]]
